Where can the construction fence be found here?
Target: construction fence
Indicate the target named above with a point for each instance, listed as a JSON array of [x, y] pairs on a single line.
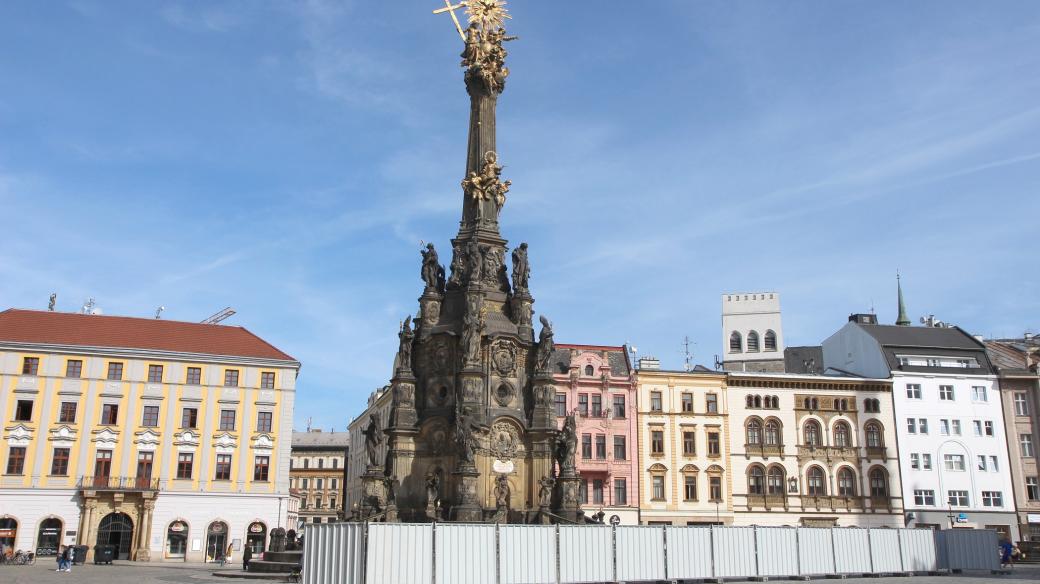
[[443, 553]]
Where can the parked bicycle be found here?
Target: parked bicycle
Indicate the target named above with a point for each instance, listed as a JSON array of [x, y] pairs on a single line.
[[19, 558]]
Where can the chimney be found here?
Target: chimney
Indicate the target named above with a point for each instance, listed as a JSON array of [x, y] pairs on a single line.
[[863, 318]]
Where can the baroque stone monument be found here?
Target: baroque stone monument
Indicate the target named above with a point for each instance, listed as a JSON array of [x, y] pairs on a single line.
[[471, 434]]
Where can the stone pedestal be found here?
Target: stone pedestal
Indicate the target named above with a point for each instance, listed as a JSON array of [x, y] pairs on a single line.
[[467, 508], [430, 303], [373, 491], [543, 415], [568, 500], [520, 305], [403, 414]]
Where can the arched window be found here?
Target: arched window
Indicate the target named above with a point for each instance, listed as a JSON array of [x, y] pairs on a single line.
[[590, 370], [842, 435], [772, 437], [758, 401], [812, 433], [816, 482], [846, 483], [775, 481], [752, 342], [873, 431], [735, 344], [878, 483], [754, 432], [756, 480], [750, 401], [770, 341], [808, 404], [815, 404]]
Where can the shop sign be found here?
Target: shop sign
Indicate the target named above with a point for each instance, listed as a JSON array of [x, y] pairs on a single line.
[[962, 518], [178, 527], [7, 532], [256, 528]]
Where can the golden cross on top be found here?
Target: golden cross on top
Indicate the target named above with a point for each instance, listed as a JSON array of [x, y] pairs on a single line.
[[451, 10]]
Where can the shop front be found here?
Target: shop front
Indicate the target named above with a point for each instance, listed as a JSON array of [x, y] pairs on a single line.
[[8, 533], [176, 541], [256, 538], [48, 537]]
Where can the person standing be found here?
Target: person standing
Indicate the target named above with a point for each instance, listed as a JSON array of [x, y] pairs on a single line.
[[60, 558], [247, 554], [70, 556], [227, 555]]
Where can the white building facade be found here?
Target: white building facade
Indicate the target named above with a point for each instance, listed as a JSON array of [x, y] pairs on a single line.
[[954, 462], [752, 332], [379, 403]]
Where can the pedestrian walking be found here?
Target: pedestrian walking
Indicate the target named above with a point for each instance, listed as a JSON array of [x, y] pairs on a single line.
[[227, 555], [247, 554], [1005, 553], [70, 556], [60, 558]]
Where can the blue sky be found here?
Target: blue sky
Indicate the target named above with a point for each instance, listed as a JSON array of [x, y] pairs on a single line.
[[286, 158]]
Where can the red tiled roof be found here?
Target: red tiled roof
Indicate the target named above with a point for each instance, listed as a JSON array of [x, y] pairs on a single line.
[[123, 332]]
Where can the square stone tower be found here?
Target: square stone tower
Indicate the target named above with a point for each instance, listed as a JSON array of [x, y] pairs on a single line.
[[752, 332]]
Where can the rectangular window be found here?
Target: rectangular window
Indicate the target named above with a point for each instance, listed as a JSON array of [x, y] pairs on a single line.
[[689, 443], [264, 421], [597, 406], [583, 404], [657, 442], [911, 426], [915, 461], [993, 464], [689, 487], [992, 499], [957, 498], [1033, 488], [597, 491], [30, 365], [74, 368], [16, 460], [1025, 443], [913, 391], [267, 380], [981, 464], [922, 425], [109, 414], [926, 462], [658, 492], [227, 419], [189, 418], [150, 416], [715, 488], [583, 491], [955, 427], [194, 376], [586, 446], [978, 427], [978, 393], [953, 461], [67, 414], [60, 462], [260, 466], [655, 401], [924, 498], [332, 503], [620, 492], [103, 464], [184, 464], [687, 402], [946, 392], [944, 427], [115, 371], [712, 402], [1021, 405], [223, 468], [989, 428], [23, 410], [601, 447], [231, 378], [713, 444], [155, 374], [620, 448], [619, 407], [561, 404], [144, 468], [306, 484]]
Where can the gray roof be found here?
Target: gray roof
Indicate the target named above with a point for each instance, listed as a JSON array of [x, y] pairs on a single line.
[[321, 440], [561, 360], [804, 360], [927, 340]]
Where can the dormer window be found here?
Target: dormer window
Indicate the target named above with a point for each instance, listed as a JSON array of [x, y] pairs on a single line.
[[590, 371]]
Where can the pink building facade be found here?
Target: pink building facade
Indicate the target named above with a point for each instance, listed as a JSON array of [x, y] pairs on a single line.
[[597, 383]]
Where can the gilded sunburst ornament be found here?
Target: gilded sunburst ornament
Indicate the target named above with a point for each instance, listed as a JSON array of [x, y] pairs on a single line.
[[488, 14]]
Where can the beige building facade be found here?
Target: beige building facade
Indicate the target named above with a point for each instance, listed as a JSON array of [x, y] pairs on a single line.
[[318, 473]]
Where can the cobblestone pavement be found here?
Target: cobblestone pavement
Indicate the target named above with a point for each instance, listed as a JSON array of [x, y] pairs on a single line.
[[119, 573], [132, 573]]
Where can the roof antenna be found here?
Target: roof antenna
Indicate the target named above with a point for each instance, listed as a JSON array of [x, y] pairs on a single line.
[[53, 299], [159, 311], [219, 316], [309, 424], [687, 355]]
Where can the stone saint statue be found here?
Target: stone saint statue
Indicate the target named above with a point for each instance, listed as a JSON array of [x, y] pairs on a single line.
[[50, 303], [466, 436], [404, 350], [474, 259], [432, 271], [502, 492], [433, 489], [373, 439], [521, 269], [473, 326], [546, 346], [545, 489], [566, 445]]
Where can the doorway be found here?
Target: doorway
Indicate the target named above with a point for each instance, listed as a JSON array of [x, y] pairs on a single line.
[[177, 540], [117, 529], [256, 538], [216, 541], [48, 537], [8, 532]]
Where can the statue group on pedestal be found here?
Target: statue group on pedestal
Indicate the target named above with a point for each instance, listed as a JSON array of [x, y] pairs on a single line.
[[432, 271], [485, 56], [373, 440], [487, 185]]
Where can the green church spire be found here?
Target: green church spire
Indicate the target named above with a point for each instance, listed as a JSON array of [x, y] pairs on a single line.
[[902, 320]]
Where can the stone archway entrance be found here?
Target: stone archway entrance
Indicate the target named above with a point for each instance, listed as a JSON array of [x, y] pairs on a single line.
[[48, 537], [117, 529]]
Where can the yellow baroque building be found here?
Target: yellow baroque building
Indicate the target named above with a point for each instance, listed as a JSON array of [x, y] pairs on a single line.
[[683, 447], [168, 440]]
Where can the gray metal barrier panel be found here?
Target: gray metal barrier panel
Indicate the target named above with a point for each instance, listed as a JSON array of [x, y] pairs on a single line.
[[334, 554], [399, 554], [527, 554], [689, 552], [734, 552], [777, 551], [918, 550], [815, 551], [640, 553], [465, 553], [586, 554], [968, 549], [884, 551], [851, 550]]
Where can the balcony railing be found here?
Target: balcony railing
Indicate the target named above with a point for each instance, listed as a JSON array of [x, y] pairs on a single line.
[[118, 484]]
